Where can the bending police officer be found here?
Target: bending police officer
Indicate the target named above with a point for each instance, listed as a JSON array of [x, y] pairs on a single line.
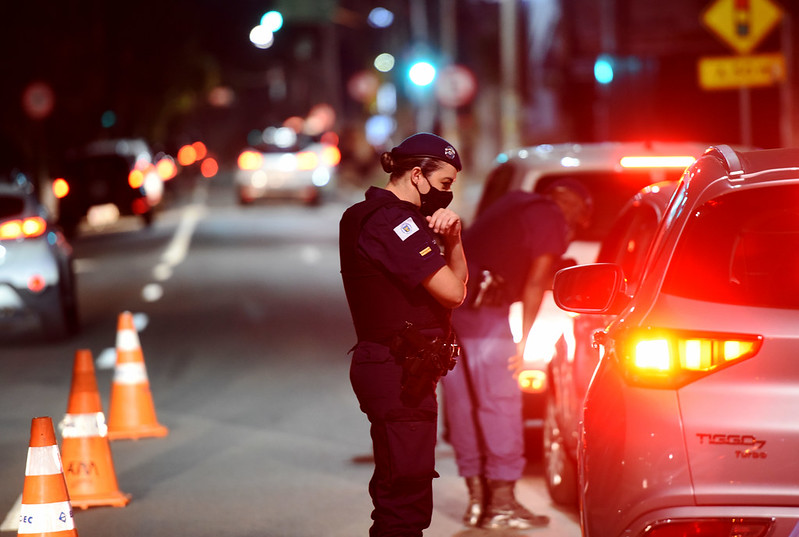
[[404, 270], [513, 247]]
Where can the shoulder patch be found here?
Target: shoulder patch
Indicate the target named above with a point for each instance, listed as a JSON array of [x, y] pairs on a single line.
[[407, 228]]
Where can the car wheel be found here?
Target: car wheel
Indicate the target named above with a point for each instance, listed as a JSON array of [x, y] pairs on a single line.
[[148, 218], [64, 321], [560, 471]]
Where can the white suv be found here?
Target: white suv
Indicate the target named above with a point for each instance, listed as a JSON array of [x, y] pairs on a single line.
[[613, 172]]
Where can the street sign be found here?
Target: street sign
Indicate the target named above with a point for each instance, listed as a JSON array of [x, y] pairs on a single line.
[[729, 72], [742, 24], [456, 86], [38, 100]]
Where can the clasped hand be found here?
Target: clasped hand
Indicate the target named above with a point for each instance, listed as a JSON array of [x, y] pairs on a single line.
[[445, 223]]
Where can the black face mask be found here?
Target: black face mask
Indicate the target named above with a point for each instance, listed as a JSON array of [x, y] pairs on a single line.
[[434, 200]]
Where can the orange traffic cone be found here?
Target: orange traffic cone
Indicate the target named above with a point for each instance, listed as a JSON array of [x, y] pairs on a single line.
[[45, 509], [131, 413], [85, 450]]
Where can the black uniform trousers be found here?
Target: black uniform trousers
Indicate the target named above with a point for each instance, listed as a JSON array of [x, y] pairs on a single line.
[[403, 440]]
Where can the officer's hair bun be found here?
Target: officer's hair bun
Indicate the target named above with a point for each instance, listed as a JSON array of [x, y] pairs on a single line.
[[387, 162]]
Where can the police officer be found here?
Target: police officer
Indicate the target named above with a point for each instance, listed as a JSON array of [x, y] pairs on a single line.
[[513, 247], [402, 264]]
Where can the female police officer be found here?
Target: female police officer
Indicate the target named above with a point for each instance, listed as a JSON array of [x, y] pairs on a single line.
[[403, 268]]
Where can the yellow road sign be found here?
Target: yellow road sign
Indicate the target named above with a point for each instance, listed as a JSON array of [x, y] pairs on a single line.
[[742, 24], [728, 72]]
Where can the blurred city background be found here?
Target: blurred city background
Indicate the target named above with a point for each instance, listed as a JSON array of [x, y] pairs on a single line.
[[504, 73]]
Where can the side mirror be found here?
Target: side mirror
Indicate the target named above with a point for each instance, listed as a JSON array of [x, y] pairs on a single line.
[[593, 288]]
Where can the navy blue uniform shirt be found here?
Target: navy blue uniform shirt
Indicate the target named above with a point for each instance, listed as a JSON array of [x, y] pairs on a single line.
[[397, 237], [510, 234]]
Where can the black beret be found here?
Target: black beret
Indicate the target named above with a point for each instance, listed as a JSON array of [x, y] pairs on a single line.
[[424, 144]]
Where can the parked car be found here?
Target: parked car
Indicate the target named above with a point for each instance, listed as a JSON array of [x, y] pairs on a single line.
[[37, 281], [613, 172], [689, 425], [286, 165], [575, 357], [106, 180]]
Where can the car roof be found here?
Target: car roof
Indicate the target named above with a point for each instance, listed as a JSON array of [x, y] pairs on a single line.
[[595, 156], [723, 168]]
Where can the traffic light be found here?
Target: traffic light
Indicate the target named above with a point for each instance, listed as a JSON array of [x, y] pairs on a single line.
[[603, 69], [610, 67], [422, 73]]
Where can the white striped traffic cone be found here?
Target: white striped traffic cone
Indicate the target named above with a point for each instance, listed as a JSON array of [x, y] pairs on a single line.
[[131, 412], [45, 510]]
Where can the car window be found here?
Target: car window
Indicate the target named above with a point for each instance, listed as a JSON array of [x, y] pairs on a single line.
[[628, 241], [610, 191], [101, 167], [741, 248], [11, 206], [499, 181]]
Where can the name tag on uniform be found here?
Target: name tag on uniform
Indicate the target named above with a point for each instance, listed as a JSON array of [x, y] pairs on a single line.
[[406, 229]]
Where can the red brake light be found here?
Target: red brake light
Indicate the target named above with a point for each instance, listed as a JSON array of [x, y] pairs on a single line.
[[646, 161], [730, 527], [136, 178], [331, 155], [307, 160], [36, 283], [250, 160], [166, 168], [670, 358], [60, 188], [209, 167], [19, 229]]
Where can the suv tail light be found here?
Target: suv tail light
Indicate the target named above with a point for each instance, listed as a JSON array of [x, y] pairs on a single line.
[[22, 229], [673, 358], [713, 527]]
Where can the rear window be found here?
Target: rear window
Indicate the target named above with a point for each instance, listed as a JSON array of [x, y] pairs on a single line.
[[610, 191], [101, 167], [741, 248]]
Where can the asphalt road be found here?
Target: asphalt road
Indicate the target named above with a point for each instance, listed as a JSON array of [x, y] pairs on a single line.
[[244, 330]]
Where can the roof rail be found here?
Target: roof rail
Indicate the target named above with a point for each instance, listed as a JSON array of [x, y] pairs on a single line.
[[729, 158]]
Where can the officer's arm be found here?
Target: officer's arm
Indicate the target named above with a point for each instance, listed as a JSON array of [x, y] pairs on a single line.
[[539, 279], [446, 287]]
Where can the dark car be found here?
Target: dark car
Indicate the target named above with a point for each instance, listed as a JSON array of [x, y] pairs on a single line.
[[37, 282], [689, 423], [108, 179]]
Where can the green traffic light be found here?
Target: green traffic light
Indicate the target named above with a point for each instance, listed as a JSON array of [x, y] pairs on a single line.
[[422, 73], [603, 69]]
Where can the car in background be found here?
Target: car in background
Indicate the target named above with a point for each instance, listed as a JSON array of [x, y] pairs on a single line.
[[576, 357], [105, 180], [37, 280], [613, 172], [689, 424], [284, 164]]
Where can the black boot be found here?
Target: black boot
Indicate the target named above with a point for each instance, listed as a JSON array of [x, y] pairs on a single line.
[[474, 511], [503, 511]]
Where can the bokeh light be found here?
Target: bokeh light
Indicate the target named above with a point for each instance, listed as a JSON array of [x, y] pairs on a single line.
[[422, 73], [262, 37], [380, 17], [384, 62], [272, 21]]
